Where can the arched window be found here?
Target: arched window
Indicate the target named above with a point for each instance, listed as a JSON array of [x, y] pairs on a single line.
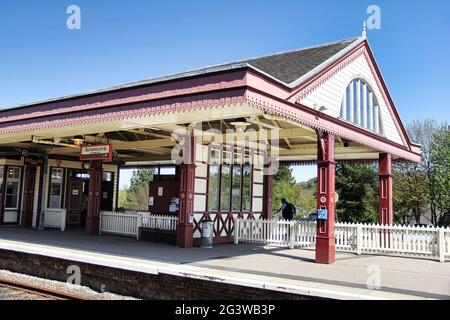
[[360, 106]]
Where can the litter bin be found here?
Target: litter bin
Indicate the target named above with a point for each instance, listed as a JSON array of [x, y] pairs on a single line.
[[207, 234]]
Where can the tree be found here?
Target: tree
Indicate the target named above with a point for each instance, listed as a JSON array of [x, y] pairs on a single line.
[[422, 132], [136, 195], [440, 175], [141, 177], [415, 189], [410, 192], [284, 173], [357, 186]]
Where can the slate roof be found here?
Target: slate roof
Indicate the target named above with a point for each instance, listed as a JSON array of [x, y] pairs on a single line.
[[290, 66]]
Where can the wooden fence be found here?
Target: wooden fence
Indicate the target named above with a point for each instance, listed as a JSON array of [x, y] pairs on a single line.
[[350, 237], [128, 224]]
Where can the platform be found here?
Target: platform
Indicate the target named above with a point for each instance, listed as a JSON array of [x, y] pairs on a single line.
[[273, 268]]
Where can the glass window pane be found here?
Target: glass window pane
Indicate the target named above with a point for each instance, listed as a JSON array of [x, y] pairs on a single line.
[[12, 190], [225, 188], [107, 176], [55, 189], [57, 174], [1, 174], [12, 187], [11, 201], [54, 202], [236, 189], [213, 199], [214, 156], [13, 173], [246, 187]]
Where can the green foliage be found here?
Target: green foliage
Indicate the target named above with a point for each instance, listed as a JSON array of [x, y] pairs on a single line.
[[421, 191], [140, 177], [440, 177], [357, 187], [136, 196], [123, 198], [410, 191], [284, 173], [302, 195]]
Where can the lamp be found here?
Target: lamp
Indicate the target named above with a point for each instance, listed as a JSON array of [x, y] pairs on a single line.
[[240, 125], [78, 140]]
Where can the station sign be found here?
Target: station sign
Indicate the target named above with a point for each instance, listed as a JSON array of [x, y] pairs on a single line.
[[32, 161], [96, 152]]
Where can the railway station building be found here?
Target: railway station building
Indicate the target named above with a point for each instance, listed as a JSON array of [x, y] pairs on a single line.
[[223, 129]]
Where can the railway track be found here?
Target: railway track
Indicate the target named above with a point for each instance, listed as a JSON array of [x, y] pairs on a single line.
[[12, 290]]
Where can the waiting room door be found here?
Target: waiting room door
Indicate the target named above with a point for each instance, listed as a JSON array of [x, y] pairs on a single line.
[[75, 197]]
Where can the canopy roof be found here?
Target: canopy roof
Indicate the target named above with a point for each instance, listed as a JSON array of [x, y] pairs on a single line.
[[278, 92]]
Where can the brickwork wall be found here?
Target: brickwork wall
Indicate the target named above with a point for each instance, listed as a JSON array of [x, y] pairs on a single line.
[[136, 284]]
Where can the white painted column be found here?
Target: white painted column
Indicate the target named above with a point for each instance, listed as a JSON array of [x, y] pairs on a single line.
[[358, 103], [377, 116], [351, 95], [370, 124], [364, 107], [344, 107]]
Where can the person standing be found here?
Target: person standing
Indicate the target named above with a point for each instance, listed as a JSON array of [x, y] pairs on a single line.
[[287, 210]]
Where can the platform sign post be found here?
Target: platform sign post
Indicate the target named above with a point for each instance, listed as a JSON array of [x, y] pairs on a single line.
[[96, 152]]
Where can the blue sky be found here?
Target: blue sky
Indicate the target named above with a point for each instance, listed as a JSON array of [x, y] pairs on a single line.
[[123, 41]]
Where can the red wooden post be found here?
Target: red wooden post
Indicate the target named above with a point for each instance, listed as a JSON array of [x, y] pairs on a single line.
[[325, 245], [185, 233], [385, 213], [28, 196], [267, 195], [94, 198]]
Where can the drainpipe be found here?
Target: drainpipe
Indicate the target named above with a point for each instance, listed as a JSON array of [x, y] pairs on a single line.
[[41, 215]]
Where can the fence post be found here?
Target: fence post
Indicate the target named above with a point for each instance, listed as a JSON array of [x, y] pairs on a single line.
[[441, 244], [138, 226], [292, 234], [236, 230], [100, 224], [358, 239]]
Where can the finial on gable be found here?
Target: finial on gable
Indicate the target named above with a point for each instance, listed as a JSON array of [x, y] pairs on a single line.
[[364, 33]]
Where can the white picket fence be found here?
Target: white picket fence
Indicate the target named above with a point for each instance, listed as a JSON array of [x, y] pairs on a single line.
[[350, 237], [128, 224]]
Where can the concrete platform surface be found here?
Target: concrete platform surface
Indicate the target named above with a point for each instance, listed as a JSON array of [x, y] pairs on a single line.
[[275, 268]]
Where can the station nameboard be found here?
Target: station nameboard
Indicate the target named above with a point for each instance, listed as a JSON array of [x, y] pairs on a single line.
[[96, 152]]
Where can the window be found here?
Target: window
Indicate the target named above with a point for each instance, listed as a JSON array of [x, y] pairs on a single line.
[[230, 180], [246, 187], [107, 176], [12, 188], [56, 183], [213, 192], [360, 106], [225, 188], [236, 188]]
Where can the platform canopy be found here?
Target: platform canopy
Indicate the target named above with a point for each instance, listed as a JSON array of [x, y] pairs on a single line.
[[284, 99]]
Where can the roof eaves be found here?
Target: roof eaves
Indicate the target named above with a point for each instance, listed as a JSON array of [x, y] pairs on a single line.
[[190, 73]]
